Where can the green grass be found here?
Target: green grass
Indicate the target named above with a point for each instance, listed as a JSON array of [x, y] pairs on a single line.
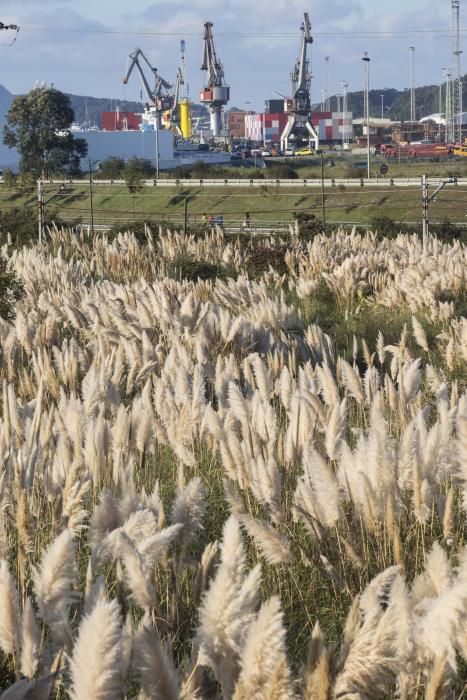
[[265, 204]]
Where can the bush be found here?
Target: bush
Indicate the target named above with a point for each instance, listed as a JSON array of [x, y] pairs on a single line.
[[11, 290], [112, 169], [385, 226], [21, 223], [447, 231], [135, 171], [192, 270], [354, 172], [281, 171], [263, 257], [309, 226]]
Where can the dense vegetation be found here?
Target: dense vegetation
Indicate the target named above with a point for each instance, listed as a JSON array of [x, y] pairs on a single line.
[[246, 483]]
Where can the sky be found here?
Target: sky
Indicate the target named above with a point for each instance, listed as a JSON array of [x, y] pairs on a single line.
[[77, 56]]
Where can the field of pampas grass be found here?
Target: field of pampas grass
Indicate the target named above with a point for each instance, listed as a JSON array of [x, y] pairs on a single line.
[[246, 486]]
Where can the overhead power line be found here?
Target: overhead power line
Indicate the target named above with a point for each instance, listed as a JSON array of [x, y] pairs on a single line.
[[374, 34]]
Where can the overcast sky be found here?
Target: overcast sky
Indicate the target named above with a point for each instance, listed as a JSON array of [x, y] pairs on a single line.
[[93, 63]]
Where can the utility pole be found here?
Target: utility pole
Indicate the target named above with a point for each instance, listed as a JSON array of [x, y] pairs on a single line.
[[382, 106], [323, 198], [366, 61], [41, 207], [426, 199], [91, 196], [157, 153]]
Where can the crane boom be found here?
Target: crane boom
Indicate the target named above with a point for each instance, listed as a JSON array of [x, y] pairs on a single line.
[[216, 93], [303, 78], [134, 57], [299, 126], [159, 83]]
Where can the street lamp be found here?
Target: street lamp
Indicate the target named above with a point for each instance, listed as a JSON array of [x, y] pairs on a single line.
[[382, 106], [366, 61]]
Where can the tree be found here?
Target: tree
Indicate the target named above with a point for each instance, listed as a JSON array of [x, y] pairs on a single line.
[[11, 290], [37, 125], [112, 168], [136, 170]]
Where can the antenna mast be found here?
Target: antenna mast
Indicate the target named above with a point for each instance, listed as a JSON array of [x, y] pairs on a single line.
[[456, 115]]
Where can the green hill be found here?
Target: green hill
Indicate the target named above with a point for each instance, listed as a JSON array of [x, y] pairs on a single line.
[[397, 102]]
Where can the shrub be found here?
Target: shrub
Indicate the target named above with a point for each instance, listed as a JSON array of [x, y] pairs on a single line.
[[192, 270], [263, 257], [11, 290]]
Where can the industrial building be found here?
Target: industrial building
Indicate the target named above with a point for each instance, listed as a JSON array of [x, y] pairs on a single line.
[[236, 124], [333, 127]]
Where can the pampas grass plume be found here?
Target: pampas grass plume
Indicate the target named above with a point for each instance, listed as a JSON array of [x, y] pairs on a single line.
[[96, 660]]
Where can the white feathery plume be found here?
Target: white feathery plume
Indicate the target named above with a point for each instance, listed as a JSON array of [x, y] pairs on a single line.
[[9, 610], [227, 609], [105, 517], [274, 547], [239, 405], [265, 674], [29, 642], [154, 666], [55, 578], [335, 429], [96, 660], [352, 381], [317, 492], [266, 485], [285, 388], [188, 509], [137, 575], [419, 335], [436, 576], [154, 548], [328, 385], [374, 659]]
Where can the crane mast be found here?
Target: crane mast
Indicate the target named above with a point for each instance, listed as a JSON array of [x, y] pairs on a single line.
[[216, 93], [298, 127], [159, 98]]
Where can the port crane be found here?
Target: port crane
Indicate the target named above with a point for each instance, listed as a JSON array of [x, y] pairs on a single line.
[[298, 127], [216, 93], [159, 98]]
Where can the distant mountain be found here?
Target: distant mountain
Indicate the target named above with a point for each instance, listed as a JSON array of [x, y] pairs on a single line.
[[88, 110]]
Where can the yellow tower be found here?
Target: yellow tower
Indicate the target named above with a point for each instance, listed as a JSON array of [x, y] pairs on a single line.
[[185, 119]]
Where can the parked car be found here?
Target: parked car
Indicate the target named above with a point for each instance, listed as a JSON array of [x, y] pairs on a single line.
[[236, 155], [289, 152], [246, 153], [304, 152], [265, 154], [256, 152]]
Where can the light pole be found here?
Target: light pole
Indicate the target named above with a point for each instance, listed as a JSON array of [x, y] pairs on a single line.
[[366, 61], [413, 116], [382, 106], [327, 106], [157, 152]]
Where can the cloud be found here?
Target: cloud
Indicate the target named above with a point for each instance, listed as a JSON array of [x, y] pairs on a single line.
[[254, 65]]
